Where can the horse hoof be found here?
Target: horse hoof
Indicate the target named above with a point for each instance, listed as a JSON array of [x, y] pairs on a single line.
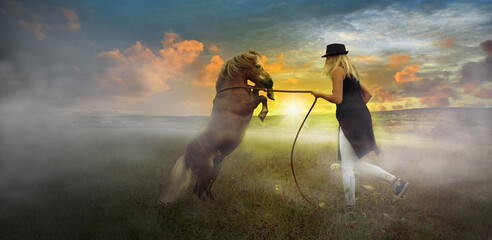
[[261, 117], [211, 196]]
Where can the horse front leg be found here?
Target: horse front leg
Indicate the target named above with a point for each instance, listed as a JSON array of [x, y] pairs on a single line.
[[264, 110]]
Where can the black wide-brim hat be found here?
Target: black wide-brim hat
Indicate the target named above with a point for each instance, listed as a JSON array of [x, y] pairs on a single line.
[[335, 49]]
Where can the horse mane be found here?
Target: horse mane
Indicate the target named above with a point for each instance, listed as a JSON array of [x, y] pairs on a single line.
[[234, 66]]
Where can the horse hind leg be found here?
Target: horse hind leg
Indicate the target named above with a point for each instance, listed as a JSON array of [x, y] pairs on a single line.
[[201, 162], [217, 163], [223, 152], [204, 183]]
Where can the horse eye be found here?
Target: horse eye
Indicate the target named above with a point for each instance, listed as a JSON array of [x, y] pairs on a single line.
[[258, 66]]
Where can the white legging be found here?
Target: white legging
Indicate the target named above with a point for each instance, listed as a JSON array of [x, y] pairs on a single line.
[[351, 163]]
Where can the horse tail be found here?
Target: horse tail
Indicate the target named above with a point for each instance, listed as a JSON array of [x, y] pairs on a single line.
[[179, 181]]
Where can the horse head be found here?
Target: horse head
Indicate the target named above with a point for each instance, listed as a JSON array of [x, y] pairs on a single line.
[[258, 75], [248, 66]]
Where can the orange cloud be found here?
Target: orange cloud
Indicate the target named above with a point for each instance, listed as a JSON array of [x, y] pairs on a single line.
[[380, 94], [469, 87], [114, 55], [73, 19], [212, 47], [208, 75], [446, 43], [398, 60], [275, 67], [138, 72], [36, 27], [407, 75]]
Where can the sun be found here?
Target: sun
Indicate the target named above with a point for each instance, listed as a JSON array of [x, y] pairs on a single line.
[[294, 108]]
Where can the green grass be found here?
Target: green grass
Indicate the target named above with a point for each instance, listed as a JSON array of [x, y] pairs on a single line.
[[104, 183]]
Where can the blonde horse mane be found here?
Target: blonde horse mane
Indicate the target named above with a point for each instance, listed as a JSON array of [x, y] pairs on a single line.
[[234, 66]]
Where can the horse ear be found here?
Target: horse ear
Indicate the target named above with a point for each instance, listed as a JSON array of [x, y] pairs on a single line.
[[254, 52]]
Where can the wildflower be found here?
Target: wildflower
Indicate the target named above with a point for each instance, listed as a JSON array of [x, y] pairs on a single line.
[[335, 166], [321, 204], [368, 187]]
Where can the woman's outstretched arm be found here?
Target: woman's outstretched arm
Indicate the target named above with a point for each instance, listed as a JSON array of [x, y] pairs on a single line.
[[337, 77]]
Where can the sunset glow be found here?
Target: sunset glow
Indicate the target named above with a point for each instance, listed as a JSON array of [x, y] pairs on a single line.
[[411, 54]]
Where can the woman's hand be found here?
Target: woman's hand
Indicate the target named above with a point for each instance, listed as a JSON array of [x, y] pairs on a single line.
[[316, 93]]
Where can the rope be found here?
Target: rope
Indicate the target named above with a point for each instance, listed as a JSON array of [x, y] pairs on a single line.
[[275, 90], [292, 155], [263, 89], [297, 135]]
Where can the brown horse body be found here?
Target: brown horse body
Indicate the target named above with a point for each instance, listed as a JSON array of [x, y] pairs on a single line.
[[232, 111]]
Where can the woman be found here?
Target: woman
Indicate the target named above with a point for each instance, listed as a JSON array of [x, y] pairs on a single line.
[[356, 137]]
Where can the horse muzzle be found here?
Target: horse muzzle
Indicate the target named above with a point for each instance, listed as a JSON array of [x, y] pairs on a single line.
[[269, 86], [270, 94]]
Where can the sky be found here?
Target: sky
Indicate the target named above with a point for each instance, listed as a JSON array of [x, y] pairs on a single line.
[[163, 57]]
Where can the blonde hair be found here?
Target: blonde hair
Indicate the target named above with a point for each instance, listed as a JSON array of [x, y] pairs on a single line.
[[343, 61], [235, 65]]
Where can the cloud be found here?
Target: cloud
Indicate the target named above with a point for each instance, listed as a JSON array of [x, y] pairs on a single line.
[[377, 107], [208, 75], [408, 75], [275, 67], [138, 72], [36, 27], [484, 92], [487, 47], [432, 92], [477, 72], [476, 76], [445, 43], [435, 101], [11, 7], [73, 19], [398, 60], [17, 12], [381, 94], [366, 59], [212, 47]]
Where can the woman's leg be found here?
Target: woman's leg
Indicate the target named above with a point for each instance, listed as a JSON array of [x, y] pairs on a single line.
[[348, 158], [374, 170]]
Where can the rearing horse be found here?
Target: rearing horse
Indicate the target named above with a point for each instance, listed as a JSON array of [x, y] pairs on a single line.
[[233, 108]]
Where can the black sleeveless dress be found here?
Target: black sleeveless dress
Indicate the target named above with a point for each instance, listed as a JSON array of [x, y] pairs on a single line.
[[355, 120]]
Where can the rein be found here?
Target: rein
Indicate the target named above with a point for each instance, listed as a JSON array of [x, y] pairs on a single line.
[[262, 89], [297, 135]]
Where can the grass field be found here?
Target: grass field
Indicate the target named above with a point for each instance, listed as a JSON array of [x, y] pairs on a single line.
[[103, 183]]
